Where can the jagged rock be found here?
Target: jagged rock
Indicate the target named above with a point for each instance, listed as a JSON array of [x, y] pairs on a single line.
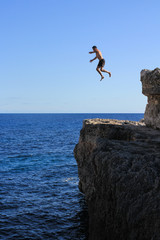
[[151, 88], [119, 172]]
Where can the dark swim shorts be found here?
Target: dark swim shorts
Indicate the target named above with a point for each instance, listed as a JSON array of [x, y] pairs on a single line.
[[101, 63]]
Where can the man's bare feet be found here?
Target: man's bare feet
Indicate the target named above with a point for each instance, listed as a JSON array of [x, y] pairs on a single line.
[[110, 74], [102, 78]]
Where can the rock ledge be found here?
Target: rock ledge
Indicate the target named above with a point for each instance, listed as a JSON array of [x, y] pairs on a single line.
[[119, 172]]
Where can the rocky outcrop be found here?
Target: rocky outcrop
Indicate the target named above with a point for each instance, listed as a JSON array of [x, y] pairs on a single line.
[[119, 172], [151, 88]]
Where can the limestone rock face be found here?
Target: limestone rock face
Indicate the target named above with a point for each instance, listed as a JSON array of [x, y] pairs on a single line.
[[119, 172], [151, 88]]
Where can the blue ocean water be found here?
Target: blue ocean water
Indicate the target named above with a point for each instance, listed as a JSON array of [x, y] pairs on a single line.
[[39, 196]]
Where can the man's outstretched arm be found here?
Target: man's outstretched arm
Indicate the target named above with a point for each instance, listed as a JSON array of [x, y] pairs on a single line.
[[93, 59], [91, 52]]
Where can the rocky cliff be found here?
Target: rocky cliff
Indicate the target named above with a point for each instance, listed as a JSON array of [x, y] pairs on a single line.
[[151, 88], [119, 172]]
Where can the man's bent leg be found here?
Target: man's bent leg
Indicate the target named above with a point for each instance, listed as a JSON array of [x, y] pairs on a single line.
[[100, 73], [103, 70]]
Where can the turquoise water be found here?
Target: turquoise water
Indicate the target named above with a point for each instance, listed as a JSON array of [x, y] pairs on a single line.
[[39, 196]]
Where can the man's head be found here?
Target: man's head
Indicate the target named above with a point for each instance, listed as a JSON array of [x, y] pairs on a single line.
[[94, 48]]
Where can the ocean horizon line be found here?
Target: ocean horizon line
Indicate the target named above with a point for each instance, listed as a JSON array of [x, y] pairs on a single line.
[[73, 113]]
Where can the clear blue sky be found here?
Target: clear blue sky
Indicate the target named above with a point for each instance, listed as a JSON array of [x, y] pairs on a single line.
[[44, 60]]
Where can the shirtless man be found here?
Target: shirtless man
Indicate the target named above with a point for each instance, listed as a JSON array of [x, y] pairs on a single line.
[[101, 62]]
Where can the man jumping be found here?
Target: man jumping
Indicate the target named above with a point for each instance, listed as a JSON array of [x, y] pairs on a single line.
[[101, 62]]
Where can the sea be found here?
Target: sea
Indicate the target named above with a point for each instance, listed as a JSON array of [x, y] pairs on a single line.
[[39, 195]]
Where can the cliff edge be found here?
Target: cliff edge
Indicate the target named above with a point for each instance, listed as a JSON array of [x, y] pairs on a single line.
[[119, 173]]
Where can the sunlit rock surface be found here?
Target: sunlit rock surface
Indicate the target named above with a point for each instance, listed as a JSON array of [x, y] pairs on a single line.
[[151, 88]]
